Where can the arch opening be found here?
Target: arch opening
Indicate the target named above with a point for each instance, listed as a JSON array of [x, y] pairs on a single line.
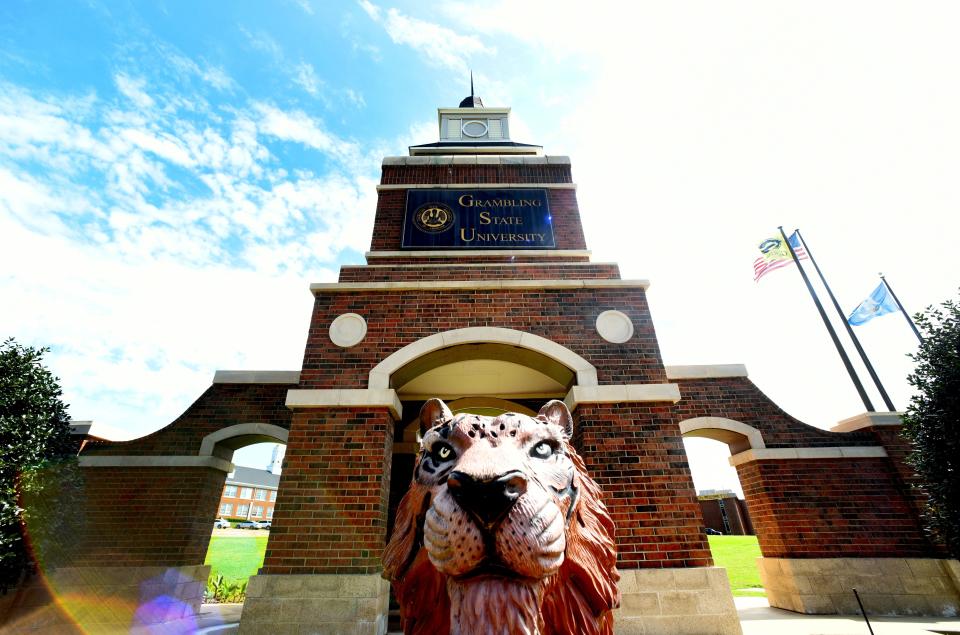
[[493, 344], [225, 441]]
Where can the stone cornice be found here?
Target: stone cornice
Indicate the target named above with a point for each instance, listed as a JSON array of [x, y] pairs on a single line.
[[468, 285], [256, 377], [869, 420], [156, 461], [481, 253], [782, 454], [621, 393], [475, 186], [440, 265], [346, 398], [706, 371]]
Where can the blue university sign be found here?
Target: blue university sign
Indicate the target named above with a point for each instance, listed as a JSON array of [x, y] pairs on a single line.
[[477, 219]]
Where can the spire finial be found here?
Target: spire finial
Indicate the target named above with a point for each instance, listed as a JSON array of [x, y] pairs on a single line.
[[472, 101]]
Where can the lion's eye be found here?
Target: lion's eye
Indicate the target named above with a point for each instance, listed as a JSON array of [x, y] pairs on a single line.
[[442, 452], [542, 450]]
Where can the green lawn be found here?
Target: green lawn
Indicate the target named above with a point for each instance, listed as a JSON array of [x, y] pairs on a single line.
[[239, 558], [738, 554], [235, 558]]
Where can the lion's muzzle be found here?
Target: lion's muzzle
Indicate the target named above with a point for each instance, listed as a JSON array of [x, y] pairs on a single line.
[[488, 501]]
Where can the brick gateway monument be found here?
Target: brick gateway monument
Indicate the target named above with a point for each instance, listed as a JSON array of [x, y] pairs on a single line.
[[479, 289]]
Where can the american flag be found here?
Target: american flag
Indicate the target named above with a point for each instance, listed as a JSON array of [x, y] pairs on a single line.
[[776, 255]]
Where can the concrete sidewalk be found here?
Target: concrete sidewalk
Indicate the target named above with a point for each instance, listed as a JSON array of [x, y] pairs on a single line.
[[757, 618]]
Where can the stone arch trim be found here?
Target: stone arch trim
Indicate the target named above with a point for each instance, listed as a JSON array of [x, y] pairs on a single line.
[[210, 441], [723, 430], [380, 374]]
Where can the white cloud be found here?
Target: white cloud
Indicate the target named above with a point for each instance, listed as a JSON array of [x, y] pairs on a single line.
[[370, 9], [438, 45], [133, 89], [305, 77], [128, 272], [305, 6]]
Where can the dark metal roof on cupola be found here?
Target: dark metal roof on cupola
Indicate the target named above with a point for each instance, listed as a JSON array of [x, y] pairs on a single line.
[[472, 101]]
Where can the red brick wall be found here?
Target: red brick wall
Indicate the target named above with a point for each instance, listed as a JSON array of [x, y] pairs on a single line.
[[830, 508], [739, 399], [488, 173], [395, 319], [909, 484], [636, 455], [388, 226], [143, 516], [331, 512], [220, 406], [528, 256], [538, 271]]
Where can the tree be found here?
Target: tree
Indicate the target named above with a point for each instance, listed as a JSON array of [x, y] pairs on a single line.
[[37, 463], [932, 421]]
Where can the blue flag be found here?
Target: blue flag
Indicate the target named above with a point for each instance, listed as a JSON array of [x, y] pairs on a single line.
[[880, 302]]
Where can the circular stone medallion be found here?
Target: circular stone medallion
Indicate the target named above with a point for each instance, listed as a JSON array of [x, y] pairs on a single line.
[[614, 326], [348, 330]]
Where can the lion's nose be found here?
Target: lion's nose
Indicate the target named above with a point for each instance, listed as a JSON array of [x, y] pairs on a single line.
[[487, 500]]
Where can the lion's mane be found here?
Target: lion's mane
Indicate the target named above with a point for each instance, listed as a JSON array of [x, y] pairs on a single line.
[[578, 599]]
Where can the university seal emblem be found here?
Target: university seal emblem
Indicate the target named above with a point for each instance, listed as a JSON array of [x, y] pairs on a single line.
[[434, 218]]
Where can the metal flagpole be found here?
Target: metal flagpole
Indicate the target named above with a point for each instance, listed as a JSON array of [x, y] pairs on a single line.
[[902, 310], [856, 342], [826, 323]]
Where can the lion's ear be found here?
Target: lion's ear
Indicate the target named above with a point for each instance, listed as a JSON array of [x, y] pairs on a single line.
[[557, 413], [433, 411]]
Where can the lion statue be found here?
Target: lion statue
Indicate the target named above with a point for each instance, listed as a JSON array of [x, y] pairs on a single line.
[[502, 530]]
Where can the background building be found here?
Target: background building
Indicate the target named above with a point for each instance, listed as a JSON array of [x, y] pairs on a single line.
[[724, 512], [249, 493]]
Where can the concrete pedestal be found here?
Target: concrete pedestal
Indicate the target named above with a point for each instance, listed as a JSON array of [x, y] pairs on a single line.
[[328, 604], [676, 602], [887, 586]]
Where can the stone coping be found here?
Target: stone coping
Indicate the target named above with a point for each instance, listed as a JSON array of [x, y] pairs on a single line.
[[479, 253], [869, 420], [440, 265], [213, 462], [706, 371], [621, 393], [345, 397], [474, 285], [476, 186], [256, 377], [852, 452], [473, 160]]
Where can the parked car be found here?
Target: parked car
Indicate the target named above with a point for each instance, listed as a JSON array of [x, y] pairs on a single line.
[[254, 524], [713, 532], [221, 523]]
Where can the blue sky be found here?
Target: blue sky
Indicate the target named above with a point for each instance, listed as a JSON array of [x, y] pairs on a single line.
[[173, 175]]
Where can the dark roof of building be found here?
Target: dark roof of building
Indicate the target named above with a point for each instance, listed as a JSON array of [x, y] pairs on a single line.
[[464, 144], [471, 102], [253, 476]]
